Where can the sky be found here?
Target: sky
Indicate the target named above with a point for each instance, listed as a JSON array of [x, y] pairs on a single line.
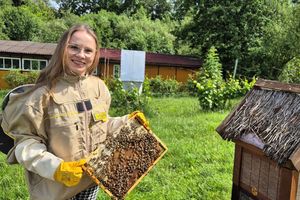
[[53, 4]]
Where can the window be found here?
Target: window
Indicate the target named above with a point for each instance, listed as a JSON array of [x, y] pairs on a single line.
[[34, 64], [117, 71], [26, 64], [16, 64], [43, 64], [9, 63]]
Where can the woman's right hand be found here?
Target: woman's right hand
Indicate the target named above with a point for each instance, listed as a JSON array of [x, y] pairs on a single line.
[[69, 173]]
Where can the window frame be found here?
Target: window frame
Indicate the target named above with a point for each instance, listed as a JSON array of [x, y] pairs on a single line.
[[11, 63], [31, 63]]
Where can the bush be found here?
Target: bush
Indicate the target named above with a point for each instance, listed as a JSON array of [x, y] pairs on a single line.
[[209, 83], [127, 101], [291, 72], [15, 78], [163, 87], [212, 91]]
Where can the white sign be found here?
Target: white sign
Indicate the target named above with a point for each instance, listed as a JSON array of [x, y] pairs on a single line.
[[133, 65]]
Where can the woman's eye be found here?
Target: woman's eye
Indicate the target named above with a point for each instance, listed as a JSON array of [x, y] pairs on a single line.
[[88, 51], [74, 48]]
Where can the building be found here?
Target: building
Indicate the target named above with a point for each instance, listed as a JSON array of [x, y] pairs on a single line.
[[26, 56], [265, 128]]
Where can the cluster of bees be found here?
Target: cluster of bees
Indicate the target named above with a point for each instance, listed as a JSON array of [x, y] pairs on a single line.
[[126, 157]]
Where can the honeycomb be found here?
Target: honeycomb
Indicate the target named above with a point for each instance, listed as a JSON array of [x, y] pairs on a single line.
[[125, 159]]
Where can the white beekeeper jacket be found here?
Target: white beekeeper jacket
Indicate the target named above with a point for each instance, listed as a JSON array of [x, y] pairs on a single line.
[[66, 123]]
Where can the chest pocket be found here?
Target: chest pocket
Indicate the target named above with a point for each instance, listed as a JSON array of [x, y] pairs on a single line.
[[64, 130], [98, 124]]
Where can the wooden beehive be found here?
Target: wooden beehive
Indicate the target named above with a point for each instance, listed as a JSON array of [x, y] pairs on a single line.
[[265, 128], [126, 158]]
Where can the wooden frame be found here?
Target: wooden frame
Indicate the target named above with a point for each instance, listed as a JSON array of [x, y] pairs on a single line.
[[286, 185]]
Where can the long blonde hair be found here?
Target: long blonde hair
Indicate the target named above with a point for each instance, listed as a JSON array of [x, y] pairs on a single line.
[[56, 66]]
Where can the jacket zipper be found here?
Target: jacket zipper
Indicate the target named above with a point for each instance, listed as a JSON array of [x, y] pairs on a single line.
[[87, 138]]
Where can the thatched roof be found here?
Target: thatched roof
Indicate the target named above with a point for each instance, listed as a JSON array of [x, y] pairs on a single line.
[[271, 111]]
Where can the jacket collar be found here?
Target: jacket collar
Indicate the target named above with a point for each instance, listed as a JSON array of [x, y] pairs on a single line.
[[73, 78]]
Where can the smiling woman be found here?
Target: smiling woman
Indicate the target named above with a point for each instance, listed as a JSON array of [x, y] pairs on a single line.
[[81, 52], [62, 120]]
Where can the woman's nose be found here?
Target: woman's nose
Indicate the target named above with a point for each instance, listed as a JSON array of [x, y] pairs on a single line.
[[81, 53]]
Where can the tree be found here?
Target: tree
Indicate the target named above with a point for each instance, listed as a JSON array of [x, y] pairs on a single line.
[[156, 9], [3, 36], [136, 33], [291, 71], [20, 23], [51, 31], [235, 28], [5, 3], [181, 8], [18, 2], [280, 41]]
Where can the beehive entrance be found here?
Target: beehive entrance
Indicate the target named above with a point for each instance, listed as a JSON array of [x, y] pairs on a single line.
[[256, 177], [260, 176]]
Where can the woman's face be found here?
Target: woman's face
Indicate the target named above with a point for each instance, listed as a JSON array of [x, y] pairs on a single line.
[[81, 51]]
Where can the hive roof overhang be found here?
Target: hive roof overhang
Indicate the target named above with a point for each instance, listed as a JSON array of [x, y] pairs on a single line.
[[271, 112]]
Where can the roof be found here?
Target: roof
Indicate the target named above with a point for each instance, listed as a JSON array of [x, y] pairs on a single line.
[[47, 49], [155, 58], [27, 47], [271, 112]]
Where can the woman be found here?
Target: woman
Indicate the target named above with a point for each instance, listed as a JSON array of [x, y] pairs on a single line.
[[63, 120]]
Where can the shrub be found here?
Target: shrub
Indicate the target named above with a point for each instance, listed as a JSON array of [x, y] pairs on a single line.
[[212, 91], [191, 84], [163, 87], [127, 101], [209, 83], [291, 71], [15, 78]]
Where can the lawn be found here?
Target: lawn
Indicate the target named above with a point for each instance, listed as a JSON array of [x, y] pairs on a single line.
[[198, 164]]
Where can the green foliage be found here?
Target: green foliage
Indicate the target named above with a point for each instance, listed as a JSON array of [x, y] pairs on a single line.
[[262, 35], [41, 9], [163, 87], [5, 2], [209, 83], [212, 66], [137, 32], [3, 36], [20, 23], [126, 101], [291, 72], [15, 78], [52, 30], [211, 95], [155, 9], [237, 29], [212, 91], [236, 88], [280, 42]]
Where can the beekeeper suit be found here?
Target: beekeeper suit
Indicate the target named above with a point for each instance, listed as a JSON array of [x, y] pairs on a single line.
[[55, 130]]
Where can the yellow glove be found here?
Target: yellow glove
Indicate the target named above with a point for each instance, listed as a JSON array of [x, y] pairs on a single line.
[[140, 117], [69, 173]]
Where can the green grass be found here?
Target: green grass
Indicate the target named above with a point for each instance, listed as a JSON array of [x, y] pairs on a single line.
[[198, 164]]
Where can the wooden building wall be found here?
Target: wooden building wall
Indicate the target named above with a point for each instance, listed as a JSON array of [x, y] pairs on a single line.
[[178, 73], [105, 69], [3, 84]]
